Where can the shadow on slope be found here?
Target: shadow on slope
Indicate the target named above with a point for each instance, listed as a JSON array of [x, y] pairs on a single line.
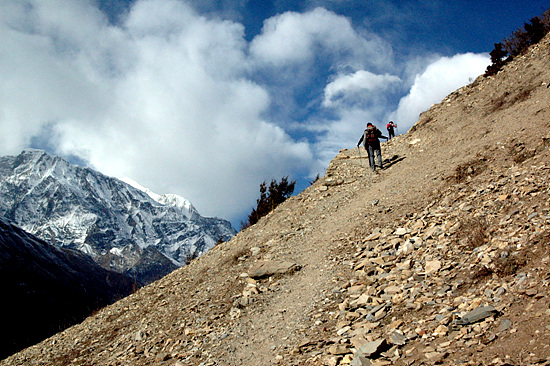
[[46, 289]]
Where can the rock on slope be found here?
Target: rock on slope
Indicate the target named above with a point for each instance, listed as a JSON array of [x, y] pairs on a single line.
[[46, 289], [440, 258], [121, 227]]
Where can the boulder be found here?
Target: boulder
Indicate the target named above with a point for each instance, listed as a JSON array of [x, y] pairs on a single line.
[[263, 269], [477, 314]]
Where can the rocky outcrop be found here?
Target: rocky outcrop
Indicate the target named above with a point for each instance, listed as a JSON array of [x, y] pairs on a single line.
[[455, 278]]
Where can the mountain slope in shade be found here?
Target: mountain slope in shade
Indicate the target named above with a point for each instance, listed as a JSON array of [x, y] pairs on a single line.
[[121, 227], [46, 289]]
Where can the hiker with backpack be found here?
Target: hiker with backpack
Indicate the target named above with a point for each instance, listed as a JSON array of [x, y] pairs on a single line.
[[390, 127], [370, 139]]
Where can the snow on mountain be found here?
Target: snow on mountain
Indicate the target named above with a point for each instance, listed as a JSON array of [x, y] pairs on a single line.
[[166, 199], [122, 225]]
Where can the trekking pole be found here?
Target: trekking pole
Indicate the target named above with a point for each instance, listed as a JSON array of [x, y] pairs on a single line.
[[359, 151]]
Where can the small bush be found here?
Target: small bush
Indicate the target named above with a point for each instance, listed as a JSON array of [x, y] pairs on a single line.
[[269, 199], [317, 177], [509, 266], [474, 232], [498, 59], [468, 170], [477, 234], [520, 152], [518, 43]]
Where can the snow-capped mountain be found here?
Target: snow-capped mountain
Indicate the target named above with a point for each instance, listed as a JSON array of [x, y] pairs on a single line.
[[166, 199], [124, 228]]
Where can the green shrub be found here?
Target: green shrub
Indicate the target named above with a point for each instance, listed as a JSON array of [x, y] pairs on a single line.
[[518, 43], [270, 197]]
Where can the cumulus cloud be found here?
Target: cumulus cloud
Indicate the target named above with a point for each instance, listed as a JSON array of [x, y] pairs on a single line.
[[439, 79], [346, 86], [300, 37], [162, 98]]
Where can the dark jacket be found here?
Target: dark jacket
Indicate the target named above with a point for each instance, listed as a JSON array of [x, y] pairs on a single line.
[[370, 137]]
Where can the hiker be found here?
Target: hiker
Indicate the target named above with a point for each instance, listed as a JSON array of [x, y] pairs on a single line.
[[370, 139], [390, 127]]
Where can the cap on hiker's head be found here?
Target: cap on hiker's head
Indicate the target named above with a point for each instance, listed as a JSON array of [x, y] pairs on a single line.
[[369, 124]]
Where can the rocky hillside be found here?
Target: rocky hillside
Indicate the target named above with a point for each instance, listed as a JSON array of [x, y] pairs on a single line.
[[442, 258], [46, 289]]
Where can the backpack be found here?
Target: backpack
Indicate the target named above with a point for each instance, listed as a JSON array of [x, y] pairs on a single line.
[[371, 135]]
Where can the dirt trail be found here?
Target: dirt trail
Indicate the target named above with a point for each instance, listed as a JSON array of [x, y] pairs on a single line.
[[282, 316]]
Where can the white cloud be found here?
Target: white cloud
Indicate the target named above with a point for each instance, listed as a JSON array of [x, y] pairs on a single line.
[[163, 98], [301, 51], [349, 85], [300, 37], [439, 79]]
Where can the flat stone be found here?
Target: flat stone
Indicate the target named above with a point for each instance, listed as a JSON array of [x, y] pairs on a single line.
[[441, 330], [504, 325], [255, 251], [162, 356], [346, 360], [375, 235], [373, 348], [435, 356], [433, 231], [432, 266], [531, 292], [363, 299], [333, 181], [338, 349], [264, 269], [392, 290], [401, 231], [407, 248], [358, 340], [355, 289], [398, 339], [360, 360], [395, 324], [477, 314]]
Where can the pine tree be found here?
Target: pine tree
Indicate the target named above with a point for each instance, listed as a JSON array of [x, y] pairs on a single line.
[[518, 43], [498, 55], [270, 198]]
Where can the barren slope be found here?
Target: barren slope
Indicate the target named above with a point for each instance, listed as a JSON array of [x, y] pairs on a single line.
[[467, 189]]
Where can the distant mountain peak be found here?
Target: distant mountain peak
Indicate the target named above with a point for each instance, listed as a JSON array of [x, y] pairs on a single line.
[[168, 199], [80, 208]]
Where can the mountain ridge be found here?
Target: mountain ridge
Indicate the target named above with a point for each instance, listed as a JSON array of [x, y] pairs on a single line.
[[441, 258], [121, 227]]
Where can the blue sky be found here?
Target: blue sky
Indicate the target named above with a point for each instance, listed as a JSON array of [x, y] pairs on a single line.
[[207, 99]]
